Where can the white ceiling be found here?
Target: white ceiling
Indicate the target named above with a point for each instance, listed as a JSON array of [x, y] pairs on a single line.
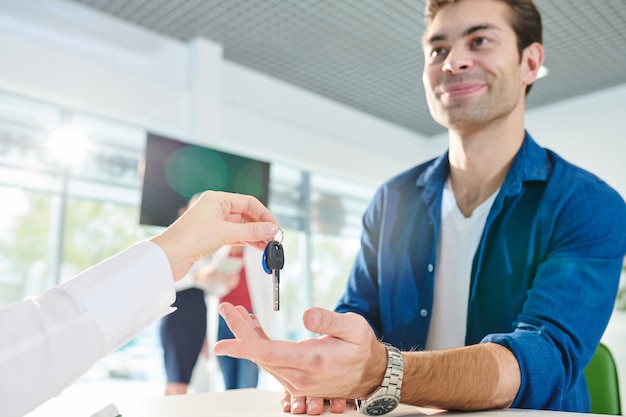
[[366, 53]]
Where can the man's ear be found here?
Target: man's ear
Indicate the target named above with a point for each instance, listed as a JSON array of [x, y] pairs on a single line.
[[532, 59]]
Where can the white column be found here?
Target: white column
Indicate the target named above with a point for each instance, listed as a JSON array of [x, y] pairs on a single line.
[[204, 84]]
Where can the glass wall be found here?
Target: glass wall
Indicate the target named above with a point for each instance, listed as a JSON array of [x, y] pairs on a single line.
[[66, 208]]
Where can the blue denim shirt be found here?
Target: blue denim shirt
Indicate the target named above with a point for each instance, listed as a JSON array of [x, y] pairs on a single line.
[[543, 281]]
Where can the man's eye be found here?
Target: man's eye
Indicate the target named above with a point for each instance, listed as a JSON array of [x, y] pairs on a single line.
[[438, 53], [480, 41]]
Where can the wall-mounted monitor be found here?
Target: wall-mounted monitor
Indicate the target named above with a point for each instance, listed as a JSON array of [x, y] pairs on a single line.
[[174, 171]]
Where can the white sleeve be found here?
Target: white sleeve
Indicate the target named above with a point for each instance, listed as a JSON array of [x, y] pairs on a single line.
[[48, 341]]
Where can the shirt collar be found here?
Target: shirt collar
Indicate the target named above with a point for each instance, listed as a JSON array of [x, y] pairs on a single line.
[[530, 164]]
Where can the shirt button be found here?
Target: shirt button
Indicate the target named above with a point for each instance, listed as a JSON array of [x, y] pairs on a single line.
[[423, 312], [430, 267]]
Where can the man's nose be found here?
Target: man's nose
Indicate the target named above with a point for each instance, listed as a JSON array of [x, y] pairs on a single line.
[[457, 62]]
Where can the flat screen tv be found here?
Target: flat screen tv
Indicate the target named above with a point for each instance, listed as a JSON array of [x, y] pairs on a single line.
[[174, 171]]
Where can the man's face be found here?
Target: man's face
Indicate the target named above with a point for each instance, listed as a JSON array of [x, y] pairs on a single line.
[[472, 70]]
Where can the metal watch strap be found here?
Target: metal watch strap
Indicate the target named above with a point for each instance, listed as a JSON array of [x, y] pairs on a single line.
[[391, 385], [395, 370]]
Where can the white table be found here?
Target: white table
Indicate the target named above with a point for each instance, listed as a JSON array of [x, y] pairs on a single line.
[[259, 403], [244, 403]]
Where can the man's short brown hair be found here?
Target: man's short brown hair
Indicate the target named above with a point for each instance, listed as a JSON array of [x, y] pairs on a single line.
[[524, 18]]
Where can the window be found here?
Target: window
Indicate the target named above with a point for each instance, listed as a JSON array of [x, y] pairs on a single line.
[[63, 216], [24, 230]]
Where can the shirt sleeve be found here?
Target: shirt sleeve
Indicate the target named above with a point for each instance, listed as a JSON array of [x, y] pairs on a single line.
[[48, 341], [571, 299], [361, 295]]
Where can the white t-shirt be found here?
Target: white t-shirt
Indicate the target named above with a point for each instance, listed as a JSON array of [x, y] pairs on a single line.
[[459, 240]]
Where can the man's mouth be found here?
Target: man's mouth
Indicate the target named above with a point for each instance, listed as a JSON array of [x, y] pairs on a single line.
[[461, 89]]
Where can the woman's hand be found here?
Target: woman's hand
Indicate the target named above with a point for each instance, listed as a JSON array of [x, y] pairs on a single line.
[[214, 220]]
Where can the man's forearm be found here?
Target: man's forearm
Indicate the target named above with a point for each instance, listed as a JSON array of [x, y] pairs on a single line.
[[477, 377]]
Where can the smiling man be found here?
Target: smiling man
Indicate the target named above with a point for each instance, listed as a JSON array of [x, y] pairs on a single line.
[[493, 268]]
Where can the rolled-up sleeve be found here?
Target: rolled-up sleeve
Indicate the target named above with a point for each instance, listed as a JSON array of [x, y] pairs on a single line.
[[571, 300]]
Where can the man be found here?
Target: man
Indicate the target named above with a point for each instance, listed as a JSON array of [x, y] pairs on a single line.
[[499, 258], [49, 341]]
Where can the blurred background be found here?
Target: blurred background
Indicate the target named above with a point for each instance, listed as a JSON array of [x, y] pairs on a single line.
[[327, 93]]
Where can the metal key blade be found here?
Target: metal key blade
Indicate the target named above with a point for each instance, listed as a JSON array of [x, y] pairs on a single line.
[[275, 260], [275, 287]]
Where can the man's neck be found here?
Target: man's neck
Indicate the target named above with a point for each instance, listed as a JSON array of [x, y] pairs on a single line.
[[479, 162]]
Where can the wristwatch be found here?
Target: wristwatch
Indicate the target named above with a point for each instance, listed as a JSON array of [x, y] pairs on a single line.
[[387, 397]]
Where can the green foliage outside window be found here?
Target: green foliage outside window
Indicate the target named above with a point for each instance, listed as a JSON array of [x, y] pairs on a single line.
[[24, 247], [94, 230]]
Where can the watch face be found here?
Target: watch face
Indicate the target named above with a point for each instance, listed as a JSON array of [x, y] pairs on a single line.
[[381, 406]]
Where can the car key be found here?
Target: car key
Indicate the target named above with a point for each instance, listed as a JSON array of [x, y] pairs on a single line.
[[273, 262]]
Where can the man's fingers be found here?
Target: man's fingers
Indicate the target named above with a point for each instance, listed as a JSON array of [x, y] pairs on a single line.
[[310, 405], [298, 405], [285, 401], [240, 322], [345, 326], [314, 406], [261, 351], [337, 405]]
